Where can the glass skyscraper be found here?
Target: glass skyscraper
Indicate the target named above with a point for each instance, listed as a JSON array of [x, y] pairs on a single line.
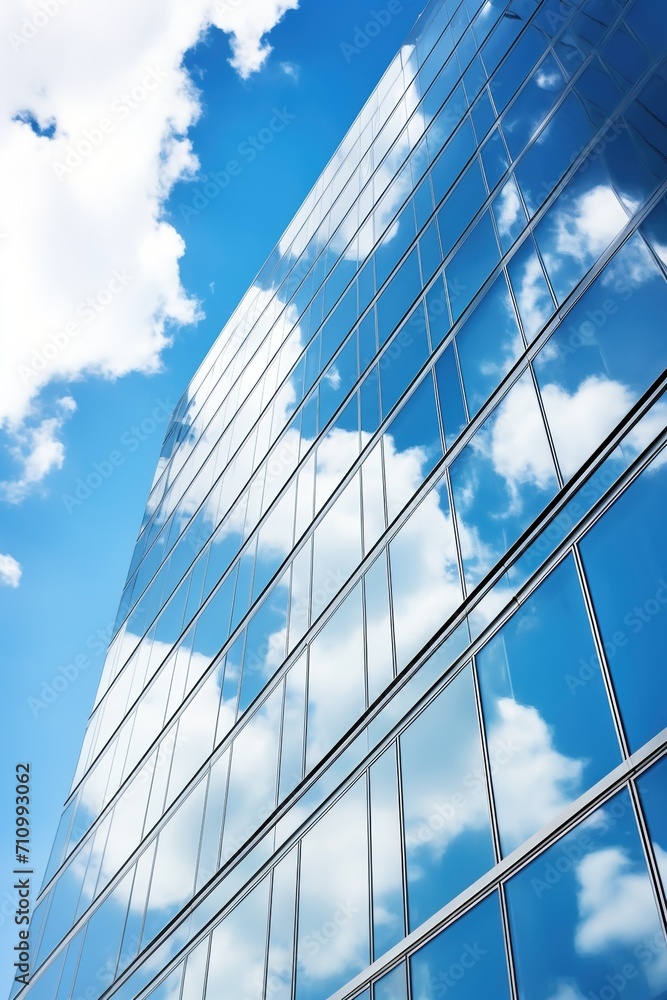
[[386, 705]]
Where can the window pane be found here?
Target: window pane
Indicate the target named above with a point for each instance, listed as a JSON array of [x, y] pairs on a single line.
[[333, 940], [468, 955], [548, 723], [652, 787], [590, 897], [426, 587], [488, 344], [386, 867], [412, 446], [336, 695], [238, 948], [531, 291], [447, 831], [471, 264], [449, 392], [253, 775], [379, 655], [579, 227], [625, 558], [502, 479], [590, 372]]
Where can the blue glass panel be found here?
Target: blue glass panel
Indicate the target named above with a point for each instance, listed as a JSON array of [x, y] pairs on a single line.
[[530, 108], [448, 166], [438, 313], [467, 959], [397, 297], [402, 359], [447, 830], [471, 264], [531, 291], [494, 158], [590, 897], [424, 574], [488, 344], [579, 227], [451, 397], [590, 373], [465, 200], [502, 479], [386, 855], [392, 986], [509, 214], [550, 734], [631, 603], [412, 446], [652, 787]]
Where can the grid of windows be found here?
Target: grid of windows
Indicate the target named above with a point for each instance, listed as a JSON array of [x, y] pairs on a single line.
[[387, 660]]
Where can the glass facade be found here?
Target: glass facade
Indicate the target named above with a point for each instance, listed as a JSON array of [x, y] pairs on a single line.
[[386, 705]]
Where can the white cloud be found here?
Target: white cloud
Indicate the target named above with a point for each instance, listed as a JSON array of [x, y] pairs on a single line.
[[615, 901], [588, 226], [10, 571], [580, 420], [38, 450], [94, 115], [248, 24], [534, 783]]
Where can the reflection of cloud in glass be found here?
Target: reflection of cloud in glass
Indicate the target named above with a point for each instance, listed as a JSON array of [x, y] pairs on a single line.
[[508, 209], [616, 908], [567, 991], [581, 419], [587, 228], [532, 780], [515, 443]]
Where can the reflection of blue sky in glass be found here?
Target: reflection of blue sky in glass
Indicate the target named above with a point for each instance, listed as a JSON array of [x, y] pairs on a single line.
[[550, 736], [589, 896], [467, 958], [631, 603], [502, 479]]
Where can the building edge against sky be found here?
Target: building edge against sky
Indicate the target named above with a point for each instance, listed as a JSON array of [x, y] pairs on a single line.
[[385, 707]]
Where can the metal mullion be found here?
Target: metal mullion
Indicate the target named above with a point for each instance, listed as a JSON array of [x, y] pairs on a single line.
[[486, 763], [598, 642], [649, 855]]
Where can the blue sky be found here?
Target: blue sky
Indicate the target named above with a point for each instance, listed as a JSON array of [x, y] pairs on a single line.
[[80, 433]]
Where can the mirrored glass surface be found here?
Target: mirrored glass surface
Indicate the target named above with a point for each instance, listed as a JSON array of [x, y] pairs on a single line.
[[631, 603], [579, 227], [548, 722], [467, 959], [425, 579], [238, 948], [386, 854], [447, 829], [333, 936], [412, 446], [590, 373], [590, 897], [392, 986], [336, 685], [652, 785], [502, 479], [488, 344]]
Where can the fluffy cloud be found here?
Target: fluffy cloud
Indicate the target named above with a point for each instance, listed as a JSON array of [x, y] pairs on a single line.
[[38, 450], [248, 24], [94, 116], [534, 783], [10, 571], [616, 905]]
